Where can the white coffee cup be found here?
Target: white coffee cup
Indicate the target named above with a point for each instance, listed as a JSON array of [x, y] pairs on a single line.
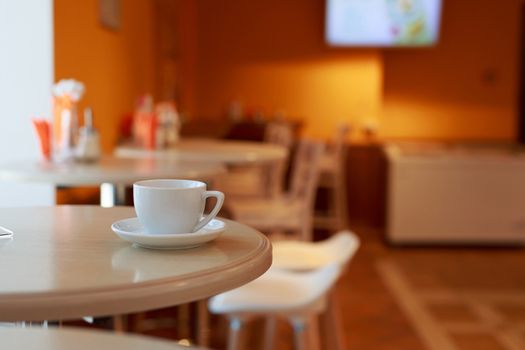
[[173, 206]]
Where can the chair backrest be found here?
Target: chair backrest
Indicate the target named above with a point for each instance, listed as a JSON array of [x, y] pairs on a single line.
[[320, 281], [304, 181], [341, 247], [305, 170], [279, 133], [335, 153], [279, 291], [304, 256]]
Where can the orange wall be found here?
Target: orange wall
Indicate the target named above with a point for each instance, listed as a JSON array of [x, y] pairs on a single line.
[[176, 21], [465, 87], [116, 67], [271, 55]]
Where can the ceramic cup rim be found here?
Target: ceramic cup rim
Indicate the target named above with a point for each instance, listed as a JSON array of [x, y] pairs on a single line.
[[157, 184]]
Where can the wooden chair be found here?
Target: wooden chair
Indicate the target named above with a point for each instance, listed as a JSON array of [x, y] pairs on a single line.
[[333, 179], [278, 133], [292, 211], [264, 180]]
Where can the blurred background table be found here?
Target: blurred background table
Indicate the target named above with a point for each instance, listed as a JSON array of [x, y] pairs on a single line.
[[252, 167], [64, 262], [228, 152], [111, 173]]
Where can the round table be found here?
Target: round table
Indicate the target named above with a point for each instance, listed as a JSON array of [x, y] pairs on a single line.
[[211, 150], [64, 262], [112, 174], [266, 157], [78, 339]]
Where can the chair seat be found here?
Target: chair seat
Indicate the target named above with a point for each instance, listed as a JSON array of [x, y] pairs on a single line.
[[278, 292]]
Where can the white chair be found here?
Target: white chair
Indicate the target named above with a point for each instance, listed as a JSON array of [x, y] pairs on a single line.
[[290, 212], [299, 297], [333, 178]]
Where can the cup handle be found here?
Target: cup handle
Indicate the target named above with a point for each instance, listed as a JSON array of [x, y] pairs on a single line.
[[220, 200]]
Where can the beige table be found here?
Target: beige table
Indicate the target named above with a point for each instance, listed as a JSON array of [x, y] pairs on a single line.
[[112, 174], [210, 150], [265, 158], [64, 262], [79, 339]]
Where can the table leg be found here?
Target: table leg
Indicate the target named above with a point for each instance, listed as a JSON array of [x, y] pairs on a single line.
[[120, 323], [203, 323], [183, 320], [112, 195]]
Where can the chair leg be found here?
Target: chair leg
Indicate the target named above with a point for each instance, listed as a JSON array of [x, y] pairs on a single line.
[[313, 332], [269, 332], [332, 325], [299, 334], [234, 338], [306, 333], [341, 207], [183, 321]]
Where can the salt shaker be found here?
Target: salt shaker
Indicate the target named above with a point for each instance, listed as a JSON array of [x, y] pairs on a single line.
[[88, 148]]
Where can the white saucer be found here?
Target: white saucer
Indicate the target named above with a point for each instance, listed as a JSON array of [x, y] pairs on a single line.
[[132, 230]]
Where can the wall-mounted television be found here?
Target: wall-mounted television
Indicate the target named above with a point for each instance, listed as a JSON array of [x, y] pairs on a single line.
[[382, 23]]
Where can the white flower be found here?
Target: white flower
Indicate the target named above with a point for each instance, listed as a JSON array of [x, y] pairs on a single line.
[[70, 87]]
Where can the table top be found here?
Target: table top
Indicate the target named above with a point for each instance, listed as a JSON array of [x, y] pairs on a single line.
[[79, 339], [211, 150], [64, 262], [109, 169]]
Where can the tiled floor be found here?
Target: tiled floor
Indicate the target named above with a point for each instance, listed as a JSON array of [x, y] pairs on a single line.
[[469, 304], [426, 298]]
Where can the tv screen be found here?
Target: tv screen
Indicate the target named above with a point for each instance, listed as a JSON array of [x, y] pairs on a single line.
[[382, 23]]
